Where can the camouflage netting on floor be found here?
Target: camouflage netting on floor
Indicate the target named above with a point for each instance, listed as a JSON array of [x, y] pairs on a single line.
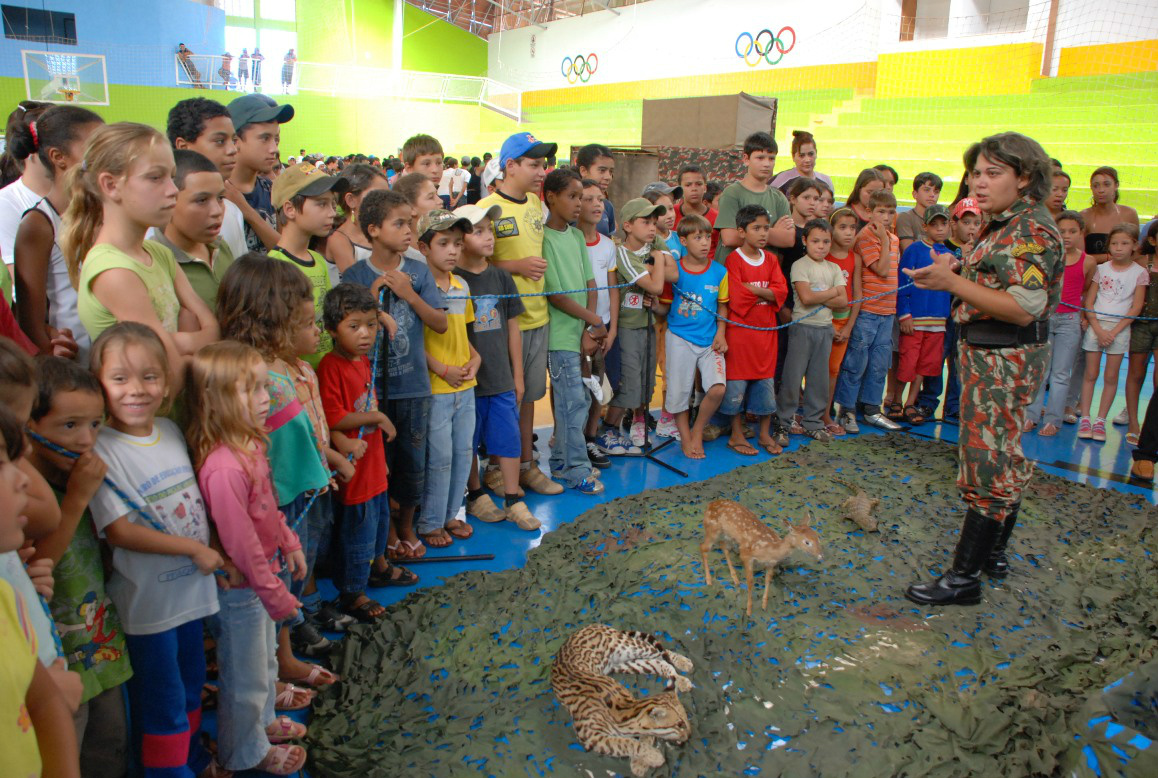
[[841, 676]]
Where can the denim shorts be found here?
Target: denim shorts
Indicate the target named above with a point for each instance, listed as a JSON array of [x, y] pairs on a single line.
[[760, 394]]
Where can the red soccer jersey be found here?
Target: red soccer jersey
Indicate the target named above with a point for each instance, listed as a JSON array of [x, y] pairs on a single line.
[[346, 387], [751, 353]]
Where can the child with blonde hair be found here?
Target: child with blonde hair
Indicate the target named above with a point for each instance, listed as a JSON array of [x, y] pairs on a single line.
[[229, 402], [123, 187]]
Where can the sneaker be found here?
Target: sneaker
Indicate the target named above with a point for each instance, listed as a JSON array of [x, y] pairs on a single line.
[[666, 428], [1099, 431], [779, 434], [820, 434], [610, 442], [880, 421], [1069, 417], [536, 480], [1122, 418], [590, 485], [847, 419], [483, 508], [597, 457], [1085, 430], [307, 640], [330, 619], [1142, 469], [493, 479], [521, 515], [639, 433]]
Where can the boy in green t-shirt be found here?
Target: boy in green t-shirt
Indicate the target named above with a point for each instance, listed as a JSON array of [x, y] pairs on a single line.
[[68, 412], [576, 328], [759, 157], [304, 198]]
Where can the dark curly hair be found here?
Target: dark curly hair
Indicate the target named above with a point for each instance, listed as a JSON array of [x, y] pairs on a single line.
[[258, 300]]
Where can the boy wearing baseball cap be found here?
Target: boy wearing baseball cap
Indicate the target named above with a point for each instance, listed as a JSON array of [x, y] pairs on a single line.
[[519, 250], [453, 365], [256, 120], [640, 263], [495, 335], [922, 314], [303, 196]]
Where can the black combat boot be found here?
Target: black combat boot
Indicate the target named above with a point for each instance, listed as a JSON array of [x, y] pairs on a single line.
[[962, 584], [997, 566]]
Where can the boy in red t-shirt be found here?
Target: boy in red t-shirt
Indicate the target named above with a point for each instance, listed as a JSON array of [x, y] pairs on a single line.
[[350, 315], [757, 289]]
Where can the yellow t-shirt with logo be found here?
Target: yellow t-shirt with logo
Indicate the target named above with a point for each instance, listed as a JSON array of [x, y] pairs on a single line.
[[518, 234], [453, 346], [18, 647]]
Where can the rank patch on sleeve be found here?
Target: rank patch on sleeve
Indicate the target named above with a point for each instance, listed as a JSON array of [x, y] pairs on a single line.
[[1027, 248], [1032, 278]]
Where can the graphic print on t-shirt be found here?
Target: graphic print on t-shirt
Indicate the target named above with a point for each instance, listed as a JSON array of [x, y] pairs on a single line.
[[507, 227], [486, 314]]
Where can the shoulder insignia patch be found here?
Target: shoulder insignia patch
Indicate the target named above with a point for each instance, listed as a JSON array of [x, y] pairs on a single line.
[[1027, 248], [1032, 278], [507, 227]]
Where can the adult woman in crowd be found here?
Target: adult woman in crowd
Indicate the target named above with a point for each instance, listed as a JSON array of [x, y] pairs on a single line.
[[1104, 213], [804, 159]]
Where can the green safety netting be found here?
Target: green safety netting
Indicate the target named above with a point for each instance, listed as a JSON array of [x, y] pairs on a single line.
[[841, 676]]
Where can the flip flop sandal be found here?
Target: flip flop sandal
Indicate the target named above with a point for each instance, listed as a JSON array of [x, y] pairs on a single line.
[[215, 770], [912, 415], [835, 430], [743, 449], [318, 676], [414, 549], [772, 449], [284, 728], [364, 612], [290, 698], [443, 537], [895, 411], [1132, 438], [394, 550], [279, 758], [464, 530], [381, 578]]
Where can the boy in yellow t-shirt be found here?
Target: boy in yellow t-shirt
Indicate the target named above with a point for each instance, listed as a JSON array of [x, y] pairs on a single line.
[[519, 251], [453, 364], [36, 729], [303, 196]]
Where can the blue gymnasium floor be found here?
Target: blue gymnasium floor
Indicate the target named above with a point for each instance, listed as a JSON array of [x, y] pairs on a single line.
[[1102, 465]]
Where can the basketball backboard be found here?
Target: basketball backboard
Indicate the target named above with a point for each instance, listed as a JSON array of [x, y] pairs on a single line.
[[64, 77]]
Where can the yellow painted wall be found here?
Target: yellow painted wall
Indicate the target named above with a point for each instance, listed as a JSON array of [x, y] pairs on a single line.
[[859, 75], [992, 70], [1132, 57]]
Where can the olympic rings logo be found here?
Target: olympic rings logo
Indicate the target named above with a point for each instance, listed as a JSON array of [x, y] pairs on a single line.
[[764, 48], [580, 68]]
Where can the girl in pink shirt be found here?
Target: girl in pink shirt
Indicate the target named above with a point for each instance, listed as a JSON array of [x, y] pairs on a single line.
[[230, 404]]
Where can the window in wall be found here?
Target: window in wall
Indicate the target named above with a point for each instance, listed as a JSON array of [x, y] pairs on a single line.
[[238, 38], [35, 24], [275, 43], [279, 10]]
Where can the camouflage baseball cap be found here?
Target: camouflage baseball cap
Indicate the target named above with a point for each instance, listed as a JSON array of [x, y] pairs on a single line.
[[440, 220]]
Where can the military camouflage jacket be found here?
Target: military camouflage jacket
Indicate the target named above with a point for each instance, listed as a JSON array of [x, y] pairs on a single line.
[[1020, 246]]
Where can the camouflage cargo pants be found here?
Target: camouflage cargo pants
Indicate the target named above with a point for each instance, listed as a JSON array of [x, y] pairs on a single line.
[[997, 385]]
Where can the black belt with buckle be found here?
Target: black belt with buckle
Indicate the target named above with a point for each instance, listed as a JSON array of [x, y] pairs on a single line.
[[989, 333]]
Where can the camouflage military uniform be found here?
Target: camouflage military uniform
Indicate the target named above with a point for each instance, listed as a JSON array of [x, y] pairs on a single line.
[[1020, 247]]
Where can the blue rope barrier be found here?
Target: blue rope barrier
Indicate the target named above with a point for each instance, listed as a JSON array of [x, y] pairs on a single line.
[[1101, 314]]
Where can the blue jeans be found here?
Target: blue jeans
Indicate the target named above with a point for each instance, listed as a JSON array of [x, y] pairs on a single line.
[[362, 531], [569, 461], [1065, 340], [866, 363], [406, 454], [247, 658], [449, 439], [165, 700]]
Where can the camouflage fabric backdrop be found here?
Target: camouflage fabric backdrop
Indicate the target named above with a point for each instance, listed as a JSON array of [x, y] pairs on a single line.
[[841, 676]]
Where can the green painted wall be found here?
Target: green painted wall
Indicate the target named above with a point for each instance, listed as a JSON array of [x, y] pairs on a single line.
[[435, 46]]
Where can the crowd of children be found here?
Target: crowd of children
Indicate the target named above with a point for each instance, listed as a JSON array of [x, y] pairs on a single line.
[[244, 378]]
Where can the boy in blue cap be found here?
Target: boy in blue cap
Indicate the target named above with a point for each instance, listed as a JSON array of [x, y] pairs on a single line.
[[256, 120], [519, 251]]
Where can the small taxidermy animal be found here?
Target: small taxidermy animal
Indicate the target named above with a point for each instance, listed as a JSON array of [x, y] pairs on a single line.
[[859, 507], [608, 719], [756, 542]]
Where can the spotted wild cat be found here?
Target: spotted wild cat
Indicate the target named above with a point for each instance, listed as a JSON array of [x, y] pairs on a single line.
[[608, 719]]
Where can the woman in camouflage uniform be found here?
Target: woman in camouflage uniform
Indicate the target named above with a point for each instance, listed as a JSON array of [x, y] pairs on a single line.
[[1005, 292]]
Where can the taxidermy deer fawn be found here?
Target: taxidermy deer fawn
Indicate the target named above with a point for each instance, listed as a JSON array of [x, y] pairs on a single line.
[[756, 541]]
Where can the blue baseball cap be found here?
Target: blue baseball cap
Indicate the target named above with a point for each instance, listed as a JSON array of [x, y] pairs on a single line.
[[524, 144]]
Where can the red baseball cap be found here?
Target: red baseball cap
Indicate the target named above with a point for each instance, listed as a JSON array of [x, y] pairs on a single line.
[[966, 205]]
